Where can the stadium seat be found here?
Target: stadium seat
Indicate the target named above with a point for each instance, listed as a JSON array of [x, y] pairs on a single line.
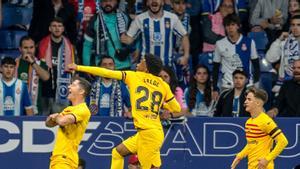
[[260, 39], [6, 41], [10, 39], [11, 53], [207, 60], [13, 15], [265, 66]]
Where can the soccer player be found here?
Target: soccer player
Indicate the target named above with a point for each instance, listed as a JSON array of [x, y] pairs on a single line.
[[261, 131], [72, 122], [148, 93]]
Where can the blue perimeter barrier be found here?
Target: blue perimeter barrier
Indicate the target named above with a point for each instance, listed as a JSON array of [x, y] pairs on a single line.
[[198, 143]]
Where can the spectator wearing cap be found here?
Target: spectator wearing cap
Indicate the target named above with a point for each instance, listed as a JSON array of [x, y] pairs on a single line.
[[133, 162], [231, 101], [14, 97]]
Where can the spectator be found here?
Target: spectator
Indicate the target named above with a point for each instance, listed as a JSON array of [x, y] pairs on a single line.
[[85, 10], [14, 98], [285, 50], [287, 102], [158, 28], [213, 27], [109, 97], [45, 11], [103, 35], [239, 7], [31, 71], [213, 30], [235, 51], [182, 72], [133, 162], [58, 52], [231, 101], [269, 15], [168, 75], [198, 95], [294, 6]]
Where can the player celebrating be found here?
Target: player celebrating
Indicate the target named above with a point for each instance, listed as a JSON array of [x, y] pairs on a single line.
[[72, 125], [148, 93], [261, 131]]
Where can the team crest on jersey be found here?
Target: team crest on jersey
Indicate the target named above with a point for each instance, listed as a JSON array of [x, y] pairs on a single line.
[[18, 91], [24, 76], [244, 47]]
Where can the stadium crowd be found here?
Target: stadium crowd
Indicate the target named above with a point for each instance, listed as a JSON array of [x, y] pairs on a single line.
[[212, 50]]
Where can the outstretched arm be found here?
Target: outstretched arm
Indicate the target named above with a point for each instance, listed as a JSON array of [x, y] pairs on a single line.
[[98, 71]]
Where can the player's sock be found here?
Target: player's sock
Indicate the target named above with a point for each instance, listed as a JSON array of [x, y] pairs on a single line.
[[117, 161]]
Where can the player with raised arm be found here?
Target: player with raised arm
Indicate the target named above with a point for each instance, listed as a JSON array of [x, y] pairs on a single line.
[[148, 93], [261, 131], [72, 122]]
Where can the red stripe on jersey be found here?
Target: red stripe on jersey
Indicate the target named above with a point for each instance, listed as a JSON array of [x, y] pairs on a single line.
[[256, 136], [251, 125], [254, 133], [255, 129]]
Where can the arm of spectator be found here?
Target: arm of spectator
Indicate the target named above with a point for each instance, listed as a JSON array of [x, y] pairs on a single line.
[[256, 67], [280, 101], [126, 39], [275, 50], [42, 73], [208, 35], [88, 42], [184, 60], [215, 77], [256, 19], [218, 111]]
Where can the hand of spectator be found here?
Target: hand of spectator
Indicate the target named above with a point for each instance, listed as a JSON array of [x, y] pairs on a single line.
[[215, 95], [28, 57], [283, 36], [262, 163], [235, 162], [126, 39], [264, 24], [183, 60], [72, 67], [273, 112], [276, 19]]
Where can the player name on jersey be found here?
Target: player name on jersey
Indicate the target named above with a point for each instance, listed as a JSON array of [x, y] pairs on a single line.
[[151, 82]]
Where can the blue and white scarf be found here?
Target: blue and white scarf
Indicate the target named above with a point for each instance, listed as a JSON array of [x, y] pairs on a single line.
[[116, 109]]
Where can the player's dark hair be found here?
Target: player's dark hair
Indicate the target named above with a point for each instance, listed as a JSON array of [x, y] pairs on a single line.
[[258, 93], [84, 84], [173, 79], [105, 57], [154, 64], [297, 16], [193, 88], [9, 61], [24, 38]]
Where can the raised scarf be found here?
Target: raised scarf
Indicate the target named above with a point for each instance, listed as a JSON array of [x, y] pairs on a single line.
[[65, 57]]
